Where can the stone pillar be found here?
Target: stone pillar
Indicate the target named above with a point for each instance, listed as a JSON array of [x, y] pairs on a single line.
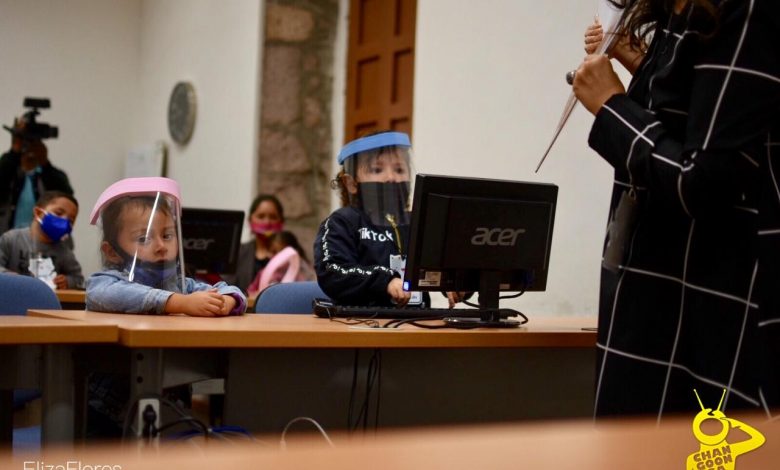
[[295, 116]]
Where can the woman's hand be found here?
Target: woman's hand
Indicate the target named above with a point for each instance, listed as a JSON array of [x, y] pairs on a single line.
[[596, 82], [621, 49], [395, 289], [593, 37]]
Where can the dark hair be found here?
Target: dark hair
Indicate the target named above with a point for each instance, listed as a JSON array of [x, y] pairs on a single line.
[[289, 239], [642, 16], [337, 183], [261, 198], [49, 196], [111, 220]]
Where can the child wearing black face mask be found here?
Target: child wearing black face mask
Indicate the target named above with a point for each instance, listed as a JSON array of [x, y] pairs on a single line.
[[40, 249], [359, 253]]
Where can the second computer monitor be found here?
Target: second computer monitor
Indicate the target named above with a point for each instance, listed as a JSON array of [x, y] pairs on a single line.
[[211, 240]]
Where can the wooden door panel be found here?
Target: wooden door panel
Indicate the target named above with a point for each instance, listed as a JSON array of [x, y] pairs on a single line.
[[380, 66]]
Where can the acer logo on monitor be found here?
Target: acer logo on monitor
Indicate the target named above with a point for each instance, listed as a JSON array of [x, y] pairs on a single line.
[[199, 244], [496, 236]]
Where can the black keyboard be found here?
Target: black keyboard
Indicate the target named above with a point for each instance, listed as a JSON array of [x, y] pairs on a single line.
[[327, 309]]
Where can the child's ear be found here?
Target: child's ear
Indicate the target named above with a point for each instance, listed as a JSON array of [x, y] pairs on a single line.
[[38, 212], [349, 183], [109, 253]]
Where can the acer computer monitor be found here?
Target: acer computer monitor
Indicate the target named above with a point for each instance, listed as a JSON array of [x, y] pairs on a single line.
[[480, 235], [211, 240]]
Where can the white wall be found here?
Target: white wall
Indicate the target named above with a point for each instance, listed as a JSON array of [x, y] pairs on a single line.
[[109, 67], [85, 56], [489, 90], [216, 46]]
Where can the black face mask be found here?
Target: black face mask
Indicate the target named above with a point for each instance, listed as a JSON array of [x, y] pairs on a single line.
[[380, 200]]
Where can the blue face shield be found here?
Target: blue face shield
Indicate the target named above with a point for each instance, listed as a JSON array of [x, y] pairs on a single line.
[[55, 227]]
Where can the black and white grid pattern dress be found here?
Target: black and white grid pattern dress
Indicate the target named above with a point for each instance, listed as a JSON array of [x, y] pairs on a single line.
[[696, 303]]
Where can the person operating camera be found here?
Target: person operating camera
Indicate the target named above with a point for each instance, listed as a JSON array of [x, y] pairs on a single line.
[[25, 170]]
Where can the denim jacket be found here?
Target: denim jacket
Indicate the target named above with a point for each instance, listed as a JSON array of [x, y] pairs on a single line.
[[111, 291]]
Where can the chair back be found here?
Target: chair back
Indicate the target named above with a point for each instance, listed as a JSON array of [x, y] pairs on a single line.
[[289, 297], [19, 293]]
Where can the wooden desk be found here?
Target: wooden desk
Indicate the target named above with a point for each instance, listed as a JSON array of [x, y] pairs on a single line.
[[48, 368], [628, 444], [17, 330], [72, 299], [307, 331], [292, 365]]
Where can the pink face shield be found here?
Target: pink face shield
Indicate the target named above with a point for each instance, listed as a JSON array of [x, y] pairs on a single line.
[[140, 219]]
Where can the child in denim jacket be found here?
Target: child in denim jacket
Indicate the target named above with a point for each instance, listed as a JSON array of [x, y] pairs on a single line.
[[142, 256]]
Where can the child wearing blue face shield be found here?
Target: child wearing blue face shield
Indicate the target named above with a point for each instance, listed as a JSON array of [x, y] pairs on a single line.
[[40, 250], [360, 250], [142, 256]]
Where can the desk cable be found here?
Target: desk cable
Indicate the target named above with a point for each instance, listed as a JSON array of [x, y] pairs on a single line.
[[283, 441], [373, 377]]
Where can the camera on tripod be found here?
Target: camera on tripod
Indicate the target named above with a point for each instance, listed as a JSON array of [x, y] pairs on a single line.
[[32, 129]]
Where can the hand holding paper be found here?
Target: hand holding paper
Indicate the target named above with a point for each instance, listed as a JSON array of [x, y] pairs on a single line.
[[612, 18]]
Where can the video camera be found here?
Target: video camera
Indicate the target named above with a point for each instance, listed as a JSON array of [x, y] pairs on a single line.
[[34, 130]]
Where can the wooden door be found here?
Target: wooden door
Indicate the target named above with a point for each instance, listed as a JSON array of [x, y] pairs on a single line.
[[380, 66]]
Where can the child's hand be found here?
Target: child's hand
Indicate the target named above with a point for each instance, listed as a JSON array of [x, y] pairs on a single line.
[[396, 290], [229, 305], [455, 297], [61, 281], [198, 304]]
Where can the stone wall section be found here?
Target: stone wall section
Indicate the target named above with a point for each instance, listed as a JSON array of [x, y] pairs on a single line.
[[295, 117]]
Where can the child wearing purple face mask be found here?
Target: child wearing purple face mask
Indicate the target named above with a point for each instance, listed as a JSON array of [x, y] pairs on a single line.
[[40, 249], [266, 218]]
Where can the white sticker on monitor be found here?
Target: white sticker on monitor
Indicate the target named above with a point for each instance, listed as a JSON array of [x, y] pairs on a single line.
[[431, 279]]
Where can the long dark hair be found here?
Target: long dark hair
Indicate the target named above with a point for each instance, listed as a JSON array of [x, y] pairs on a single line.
[[642, 15]]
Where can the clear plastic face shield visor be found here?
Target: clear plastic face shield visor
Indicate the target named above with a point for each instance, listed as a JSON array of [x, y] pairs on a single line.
[[378, 175], [140, 219]]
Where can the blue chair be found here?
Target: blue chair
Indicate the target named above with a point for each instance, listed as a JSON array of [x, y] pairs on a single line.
[[289, 297], [17, 295], [20, 293]]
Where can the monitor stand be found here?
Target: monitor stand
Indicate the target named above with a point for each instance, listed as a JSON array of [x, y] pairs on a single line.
[[490, 314]]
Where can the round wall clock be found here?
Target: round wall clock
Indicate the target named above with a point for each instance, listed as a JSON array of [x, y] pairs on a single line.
[[182, 108]]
